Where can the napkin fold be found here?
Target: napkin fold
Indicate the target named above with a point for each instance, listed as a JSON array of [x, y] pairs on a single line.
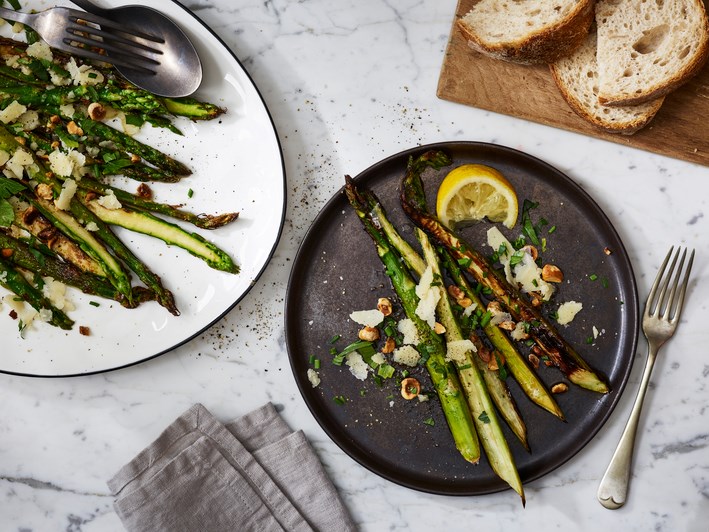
[[253, 473]]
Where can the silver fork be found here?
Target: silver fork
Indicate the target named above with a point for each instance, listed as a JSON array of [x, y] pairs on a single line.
[[82, 33], [662, 313]]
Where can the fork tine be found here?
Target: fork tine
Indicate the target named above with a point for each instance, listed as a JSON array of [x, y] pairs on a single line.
[[106, 23], [126, 53], [85, 52], [664, 299], [80, 31], [650, 305], [682, 287]]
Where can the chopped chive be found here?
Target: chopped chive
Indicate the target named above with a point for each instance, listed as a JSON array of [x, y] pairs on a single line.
[[339, 399], [311, 359], [190, 193], [94, 303], [429, 421], [604, 282], [335, 338], [362, 392], [484, 417], [551, 229], [316, 363], [593, 277], [590, 339]]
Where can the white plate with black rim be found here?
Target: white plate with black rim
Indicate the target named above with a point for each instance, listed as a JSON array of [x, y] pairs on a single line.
[[237, 166]]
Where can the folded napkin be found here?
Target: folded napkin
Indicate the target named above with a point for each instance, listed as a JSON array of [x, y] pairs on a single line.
[[251, 474]]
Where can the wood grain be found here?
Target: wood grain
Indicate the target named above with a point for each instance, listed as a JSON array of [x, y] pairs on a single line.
[[679, 129]]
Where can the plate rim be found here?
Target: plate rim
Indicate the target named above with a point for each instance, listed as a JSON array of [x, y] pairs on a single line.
[[634, 305], [258, 274]]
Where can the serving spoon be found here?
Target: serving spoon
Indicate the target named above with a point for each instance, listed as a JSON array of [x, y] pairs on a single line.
[[179, 72]]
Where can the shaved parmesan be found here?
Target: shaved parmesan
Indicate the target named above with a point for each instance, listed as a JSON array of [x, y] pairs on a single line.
[[429, 295], [368, 318], [567, 312], [313, 377], [109, 201], [68, 190], [40, 50], [358, 367], [12, 112], [457, 351]]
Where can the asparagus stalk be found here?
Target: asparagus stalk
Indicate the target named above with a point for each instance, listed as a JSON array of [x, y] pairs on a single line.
[[47, 264], [14, 281], [497, 388], [546, 337], [484, 415], [146, 223], [203, 221], [442, 373], [523, 374]]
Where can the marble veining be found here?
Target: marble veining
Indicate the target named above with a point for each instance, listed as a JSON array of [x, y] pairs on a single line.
[[349, 83]]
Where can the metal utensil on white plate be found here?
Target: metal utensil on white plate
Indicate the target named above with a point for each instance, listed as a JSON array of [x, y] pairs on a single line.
[[660, 320], [178, 71]]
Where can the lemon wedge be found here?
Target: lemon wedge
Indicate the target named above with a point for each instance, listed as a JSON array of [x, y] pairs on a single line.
[[472, 192]]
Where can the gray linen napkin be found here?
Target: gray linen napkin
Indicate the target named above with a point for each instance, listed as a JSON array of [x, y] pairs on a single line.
[[251, 474]]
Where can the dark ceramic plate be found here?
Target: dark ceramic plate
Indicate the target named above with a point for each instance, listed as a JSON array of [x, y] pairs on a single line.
[[336, 271]]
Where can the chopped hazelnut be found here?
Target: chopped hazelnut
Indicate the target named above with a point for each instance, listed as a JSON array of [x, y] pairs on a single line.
[[144, 191], [439, 328], [135, 158], [534, 360], [389, 346], [74, 129], [44, 191], [493, 307], [531, 250], [410, 388], [465, 302], [96, 111], [384, 306], [55, 119], [21, 141], [508, 325], [552, 274], [84, 331], [13, 314], [6, 253], [496, 360], [369, 334], [485, 354], [560, 387], [607, 250], [455, 292]]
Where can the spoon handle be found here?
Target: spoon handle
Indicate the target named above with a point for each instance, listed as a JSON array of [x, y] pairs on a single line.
[[86, 5]]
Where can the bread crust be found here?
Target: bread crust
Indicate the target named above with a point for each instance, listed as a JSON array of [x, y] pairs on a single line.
[[672, 83], [624, 128], [543, 46]]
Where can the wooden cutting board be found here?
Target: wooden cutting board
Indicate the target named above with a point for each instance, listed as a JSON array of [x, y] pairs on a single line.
[[680, 129]]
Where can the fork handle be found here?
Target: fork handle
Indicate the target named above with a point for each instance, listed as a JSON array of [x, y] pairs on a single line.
[[613, 490]]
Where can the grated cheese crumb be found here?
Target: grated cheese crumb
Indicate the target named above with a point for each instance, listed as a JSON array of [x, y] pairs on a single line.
[[12, 112], [313, 377], [109, 201], [406, 355], [68, 190], [40, 50]]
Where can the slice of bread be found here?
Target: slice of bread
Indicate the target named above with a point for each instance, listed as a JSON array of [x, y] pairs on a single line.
[[527, 31], [648, 48], [577, 79]]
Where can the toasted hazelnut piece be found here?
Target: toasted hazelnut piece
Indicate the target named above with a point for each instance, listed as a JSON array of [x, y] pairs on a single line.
[[135, 158], [494, 306], [90, 196], [55, 119], [96, 111], [559, 387], [74, 129], [389, 346], [13, 314], [465, 302], [531, 250], [508, 325], [384, 306], [410, 388], [84, 331], [496, 360], [6, 253], [439, 328], [455, 292], [144, 191], [607, 250], [537, 299], [55, 144], [44, 191], [369, 334], [21, 141], [485, 354], [552, 274], [533, 360]]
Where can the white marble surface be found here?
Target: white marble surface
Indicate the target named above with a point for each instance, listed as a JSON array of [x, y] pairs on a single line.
[[349, 83]]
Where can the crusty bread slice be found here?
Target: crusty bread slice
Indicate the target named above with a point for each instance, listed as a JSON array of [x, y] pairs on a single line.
[[577, 79], [648, 48], [527, 31]]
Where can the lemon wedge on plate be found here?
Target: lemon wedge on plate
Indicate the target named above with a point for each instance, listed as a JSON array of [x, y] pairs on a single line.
[[472, 192]]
